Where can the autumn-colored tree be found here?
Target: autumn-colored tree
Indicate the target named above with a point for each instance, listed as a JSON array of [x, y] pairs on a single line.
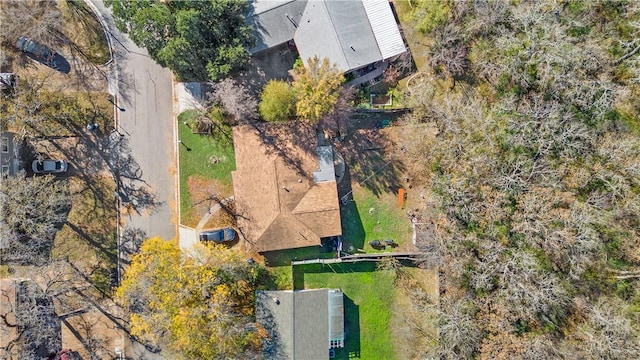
[[277, 101], [198, 303], [317, 88]]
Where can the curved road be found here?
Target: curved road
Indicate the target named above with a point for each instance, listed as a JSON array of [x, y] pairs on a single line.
[[147, 153]]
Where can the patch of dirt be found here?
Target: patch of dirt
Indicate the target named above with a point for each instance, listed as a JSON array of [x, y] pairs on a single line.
[[222, 218], [413, 322], [205, 193]]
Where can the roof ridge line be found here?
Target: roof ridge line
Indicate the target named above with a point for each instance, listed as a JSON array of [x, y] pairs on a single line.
[[333, 30]]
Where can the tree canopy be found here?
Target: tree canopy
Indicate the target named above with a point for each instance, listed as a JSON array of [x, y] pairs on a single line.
[[317, 88], [527, 138], [199, 304], [277, 101], [196, 39], [31, 211]]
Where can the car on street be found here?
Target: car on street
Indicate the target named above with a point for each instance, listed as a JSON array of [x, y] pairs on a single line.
[[49, 166], [218, 236], [38, 51]]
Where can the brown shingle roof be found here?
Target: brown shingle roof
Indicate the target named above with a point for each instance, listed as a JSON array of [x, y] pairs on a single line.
[[280, 206]]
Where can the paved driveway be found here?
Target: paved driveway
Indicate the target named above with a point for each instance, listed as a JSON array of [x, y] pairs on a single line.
[[145, 153]]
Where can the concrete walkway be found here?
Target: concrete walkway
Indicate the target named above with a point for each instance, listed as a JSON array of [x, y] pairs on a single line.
[[189, 236]]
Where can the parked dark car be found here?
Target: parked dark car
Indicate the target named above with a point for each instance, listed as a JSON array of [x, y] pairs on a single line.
[[218, 235], [38, 51], [49, 166]]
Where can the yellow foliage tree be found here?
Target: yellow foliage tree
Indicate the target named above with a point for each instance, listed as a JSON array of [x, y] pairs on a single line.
[[198, 304], [317, 89]]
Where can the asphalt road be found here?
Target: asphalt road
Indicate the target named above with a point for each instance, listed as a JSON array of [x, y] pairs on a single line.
[[145, 149], [145, 112]]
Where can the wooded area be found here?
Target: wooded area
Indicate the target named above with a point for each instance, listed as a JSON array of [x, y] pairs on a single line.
[[533, 176]]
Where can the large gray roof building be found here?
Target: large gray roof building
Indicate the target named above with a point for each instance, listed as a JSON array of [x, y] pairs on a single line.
[[350, 33], [301, 324]]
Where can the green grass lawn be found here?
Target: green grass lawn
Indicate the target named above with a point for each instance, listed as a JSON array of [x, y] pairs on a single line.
[[369, 296], [197, 162], [369, 217]]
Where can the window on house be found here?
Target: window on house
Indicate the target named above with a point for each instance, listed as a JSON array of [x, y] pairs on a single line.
[[5, 170], [5, 144]]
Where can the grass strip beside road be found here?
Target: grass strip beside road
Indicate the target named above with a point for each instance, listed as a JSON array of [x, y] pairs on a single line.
[[88, 239]]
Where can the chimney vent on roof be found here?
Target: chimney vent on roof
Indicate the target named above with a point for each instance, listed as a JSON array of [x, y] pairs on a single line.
[[292, 21]]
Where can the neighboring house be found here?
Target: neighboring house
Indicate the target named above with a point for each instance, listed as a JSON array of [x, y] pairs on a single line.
[[303, 324], [359, 36], [285, 197], [10, 162]]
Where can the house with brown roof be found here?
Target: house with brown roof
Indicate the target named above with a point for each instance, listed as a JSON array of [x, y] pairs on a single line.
[[286, 197]]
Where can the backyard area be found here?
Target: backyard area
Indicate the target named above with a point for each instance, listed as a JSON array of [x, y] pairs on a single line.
[[369, 217], [369, 296], [206, 163], [378, 306]]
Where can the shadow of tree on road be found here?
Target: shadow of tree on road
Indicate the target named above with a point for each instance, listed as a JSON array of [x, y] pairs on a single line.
[[134, 193]]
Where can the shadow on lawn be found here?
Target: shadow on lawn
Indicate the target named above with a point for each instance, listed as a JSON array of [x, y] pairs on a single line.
[[351, 330], [353, 233], [341, 268], [368, 163]]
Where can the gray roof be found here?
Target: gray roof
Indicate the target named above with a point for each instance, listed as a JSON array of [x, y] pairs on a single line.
[[325, 161], [346, 37], [274, 21], [350, 33], [301, 324]]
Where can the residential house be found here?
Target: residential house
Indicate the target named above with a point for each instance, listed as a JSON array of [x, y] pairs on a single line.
[[9, 154], [359, 36], [286, 197], [304, 324]]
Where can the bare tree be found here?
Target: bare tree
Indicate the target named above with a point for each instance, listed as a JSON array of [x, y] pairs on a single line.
[[33, 210], [236, 100]]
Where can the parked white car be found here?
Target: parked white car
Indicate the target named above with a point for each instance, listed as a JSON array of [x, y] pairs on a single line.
[[49, 166]]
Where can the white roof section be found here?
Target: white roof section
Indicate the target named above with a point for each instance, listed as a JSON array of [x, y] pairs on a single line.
[[325, 163], [384, 26]]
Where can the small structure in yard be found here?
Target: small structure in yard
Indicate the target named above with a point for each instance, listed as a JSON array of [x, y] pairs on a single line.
[[304, 324], [402, 195], [379, 100]]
